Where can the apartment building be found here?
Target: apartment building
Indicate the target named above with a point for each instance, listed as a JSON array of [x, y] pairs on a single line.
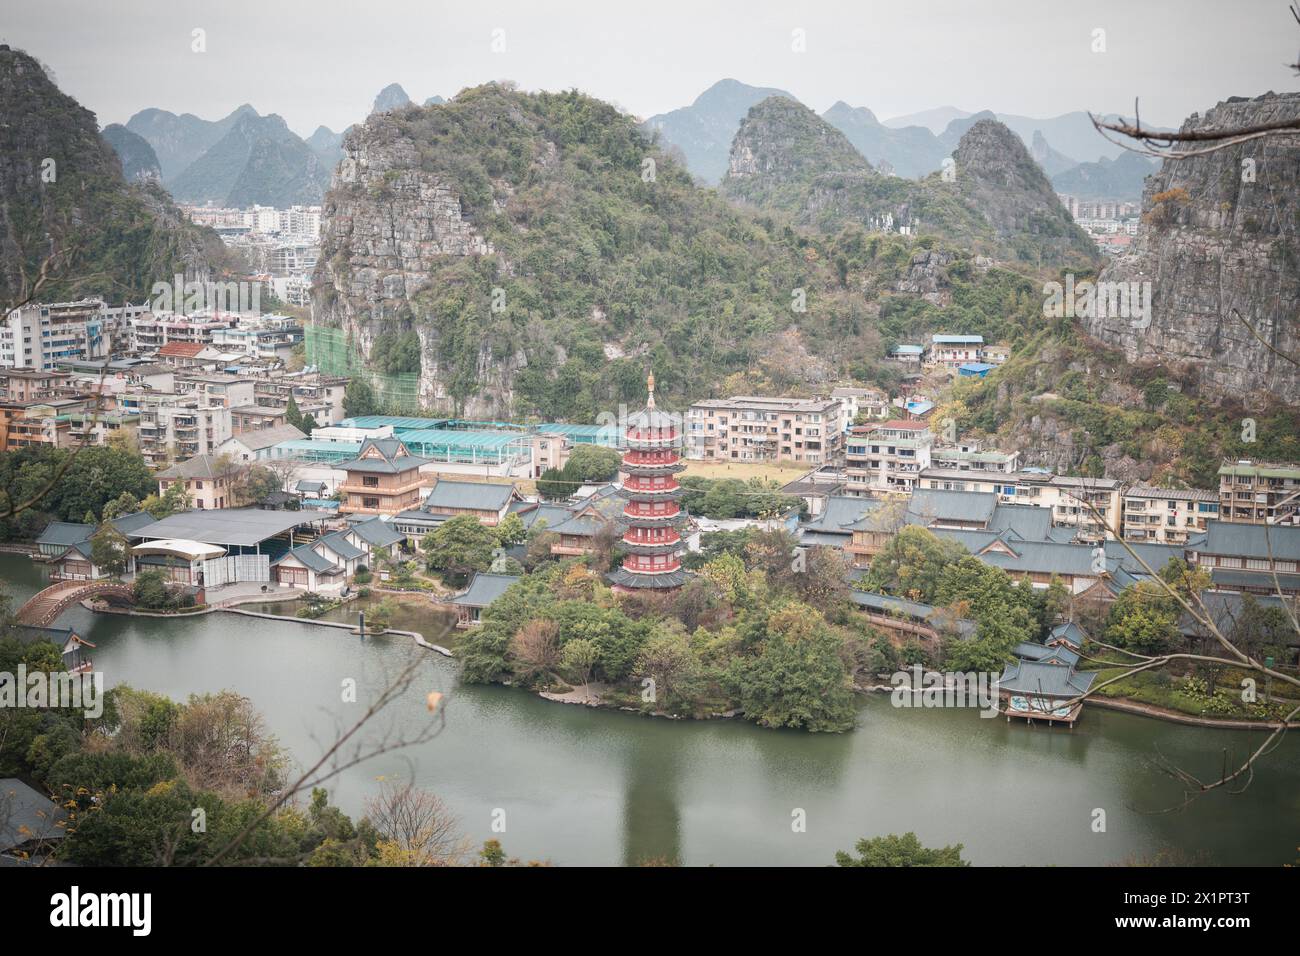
[[96, 428], [227, 391], [1067, 499], [27, 385], [951, 351], [254, 418], [151, 331], [1259, 493], [1089, 505], [972, 457], [867, 402], [273, 337], [320, 396], [1167, 515], [24, 424], [207, 486], [175, 427], [886, 457], [37, 335], [752, 428]]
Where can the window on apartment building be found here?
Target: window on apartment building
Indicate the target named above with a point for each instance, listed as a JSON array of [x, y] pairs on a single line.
[[369, 502], [370, 481]]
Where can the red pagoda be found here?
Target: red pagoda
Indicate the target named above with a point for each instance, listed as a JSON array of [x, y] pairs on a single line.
[[651, 516]]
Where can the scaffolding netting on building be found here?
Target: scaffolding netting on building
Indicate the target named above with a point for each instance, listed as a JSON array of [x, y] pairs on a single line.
[[334, 352]]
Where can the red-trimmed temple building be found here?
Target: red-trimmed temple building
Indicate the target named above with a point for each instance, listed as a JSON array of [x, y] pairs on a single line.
[[652, 515]]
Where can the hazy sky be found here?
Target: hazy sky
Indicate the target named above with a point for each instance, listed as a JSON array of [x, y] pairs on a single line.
[[322, 62]]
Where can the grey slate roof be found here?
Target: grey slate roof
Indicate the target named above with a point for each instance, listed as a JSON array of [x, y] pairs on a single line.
[[476, 495], [1252, 540], [311, 559], [1155, 555], [133, 522], [200, 466], [1069, 631], [839, 512], [1033, 651], [530, 514], [584, 525], [308, 485], [66, 533], [1230, 577], [889, 605], [1225, 609], [484, 589], [338, 543], [933, 504], [1050, 680], [378, 533], [1028, 522], [26, 815], [821, 539]]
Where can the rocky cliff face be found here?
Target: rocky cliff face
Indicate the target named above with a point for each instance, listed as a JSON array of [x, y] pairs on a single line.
[[60, 179], [387, 227], [783, 141], [1218, 240], [704, 130], [546, 253]]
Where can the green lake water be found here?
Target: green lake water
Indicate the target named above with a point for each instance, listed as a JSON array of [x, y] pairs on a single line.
[[580, 786]]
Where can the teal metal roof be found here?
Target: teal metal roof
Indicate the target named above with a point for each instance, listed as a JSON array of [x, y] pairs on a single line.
[[398, 423]]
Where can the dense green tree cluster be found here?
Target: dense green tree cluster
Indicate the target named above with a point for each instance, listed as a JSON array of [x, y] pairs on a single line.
[[723, 498], [918, 565], [905, 850], [94, 476], [153, 591], [755, 631], [586, 464]]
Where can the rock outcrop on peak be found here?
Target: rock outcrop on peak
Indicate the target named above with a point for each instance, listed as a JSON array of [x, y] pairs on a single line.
[[997, 177], [1219, 244], [991, 198], [704, 130]]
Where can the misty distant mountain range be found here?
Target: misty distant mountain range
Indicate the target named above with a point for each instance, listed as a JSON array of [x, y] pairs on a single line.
[[243, 159], [246, 158], [910, 146]]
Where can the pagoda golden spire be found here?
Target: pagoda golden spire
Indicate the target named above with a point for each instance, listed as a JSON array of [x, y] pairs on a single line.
[[650, 388]]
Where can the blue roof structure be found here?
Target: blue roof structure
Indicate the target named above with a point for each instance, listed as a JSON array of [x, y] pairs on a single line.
[[974, 369]]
